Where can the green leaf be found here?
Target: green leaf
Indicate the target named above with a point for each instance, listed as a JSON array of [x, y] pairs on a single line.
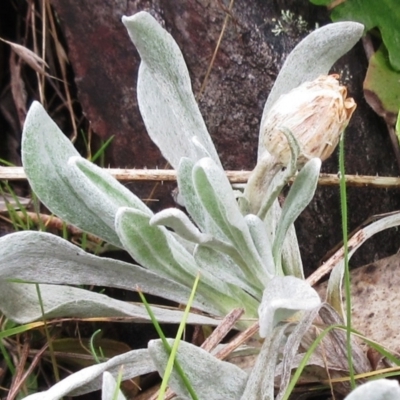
[[165, 96], [398, 127], [312, 57], [382, 14], [210, 378], [381, 86]]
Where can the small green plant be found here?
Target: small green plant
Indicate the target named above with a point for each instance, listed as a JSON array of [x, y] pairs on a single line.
[[289, 23], [243, 245]]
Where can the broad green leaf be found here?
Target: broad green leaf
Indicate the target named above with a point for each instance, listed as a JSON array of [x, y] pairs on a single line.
[[398, 127], [19, 302], [216, 195], [312, 57], [300, 194], [131, 364], [381, 86], [382, 14], [210, 378], [45, 154], [165, 96], [284, 296], [381, 389]]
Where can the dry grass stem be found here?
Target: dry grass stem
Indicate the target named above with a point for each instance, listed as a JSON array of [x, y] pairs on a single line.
[[124, 175]]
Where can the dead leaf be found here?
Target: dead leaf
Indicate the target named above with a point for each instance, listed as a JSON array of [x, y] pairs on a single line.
[[18, 89], [32, 59], [375, 301]]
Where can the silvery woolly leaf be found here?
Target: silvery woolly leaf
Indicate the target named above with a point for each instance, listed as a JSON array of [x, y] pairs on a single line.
[[210, 378], [152, 246], [45, 153], [300, 194], [216, 195], [178, 221], [274, 187], [165, 97], [192, 202], [133, 363], [158, 250], [291, 257], [19, 302], [261, 240], [45, 258], [109, 389], [283, 297], [101, 192], [312, 57], [261, 382], [291, 348], [381, 389]]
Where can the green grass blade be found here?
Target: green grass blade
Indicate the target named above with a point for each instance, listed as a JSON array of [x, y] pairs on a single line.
[[172, 357], [305, 359], [166, 345], [343, 206], [91, 345], [100, 152], [49, 339]]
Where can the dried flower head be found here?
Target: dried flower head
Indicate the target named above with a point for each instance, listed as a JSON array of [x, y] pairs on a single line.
[[315, 112]]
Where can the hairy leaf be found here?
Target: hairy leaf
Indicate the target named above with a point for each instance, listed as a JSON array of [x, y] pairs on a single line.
[[45, 154], [210, 378], [132, 364], [45, 258], [165, 96], [284, 296]]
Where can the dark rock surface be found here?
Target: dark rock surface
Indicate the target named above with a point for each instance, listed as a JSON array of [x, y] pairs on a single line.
[[105, 65]]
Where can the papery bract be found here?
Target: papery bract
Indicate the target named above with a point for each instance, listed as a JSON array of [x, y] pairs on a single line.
[[315, 112]]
